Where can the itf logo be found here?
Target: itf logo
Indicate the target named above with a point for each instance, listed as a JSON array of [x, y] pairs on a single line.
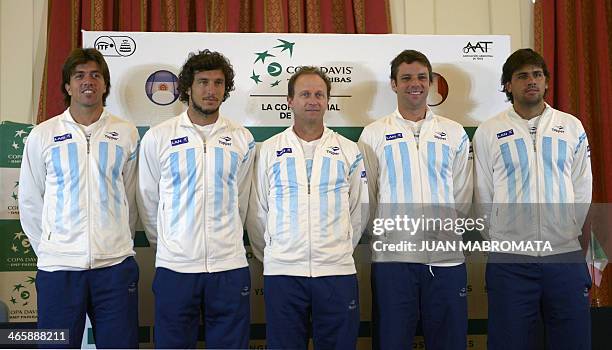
[[115, 46], [162, 87]]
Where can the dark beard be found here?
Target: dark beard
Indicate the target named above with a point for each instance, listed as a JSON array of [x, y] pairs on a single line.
[[205, 112]]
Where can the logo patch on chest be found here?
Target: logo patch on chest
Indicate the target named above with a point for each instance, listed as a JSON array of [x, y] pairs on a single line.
[[501, 135], [179, 141]]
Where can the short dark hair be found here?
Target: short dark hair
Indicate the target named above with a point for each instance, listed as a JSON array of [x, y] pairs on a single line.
[[409, 56], [82, 56], [518, 59], [204, 61], [307, 70]]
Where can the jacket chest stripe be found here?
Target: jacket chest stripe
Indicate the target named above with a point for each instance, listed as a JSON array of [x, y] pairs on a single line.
[[431, 170], [355, 164], [276, 177], [391, 173], [219, 164], [323, 188], [521, 148], [338, 195], [406, 172], [293, 194], [232, 186], [562, 153], [547, 157], [176, 188], [191, 186], [510, 170], [59, 174], [445, 171], [102, 164], [73, 161], [115, 177]]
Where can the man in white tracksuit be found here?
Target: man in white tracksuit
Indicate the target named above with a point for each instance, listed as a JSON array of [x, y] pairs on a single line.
[[533, 180], [194, 183], [306, 216], [77, 190], [419, 167]]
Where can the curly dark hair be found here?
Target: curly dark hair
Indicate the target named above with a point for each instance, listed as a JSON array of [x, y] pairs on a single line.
[[203, 61], [82, 56], [518, 59]]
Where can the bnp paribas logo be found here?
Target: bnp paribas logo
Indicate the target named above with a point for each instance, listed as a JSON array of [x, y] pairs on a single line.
[[267, 66], [22, 292]]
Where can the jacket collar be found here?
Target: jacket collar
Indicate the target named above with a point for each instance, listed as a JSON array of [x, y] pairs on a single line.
[[220, 124], [429, 115], [513, 115], [290, 133], [67, 117]]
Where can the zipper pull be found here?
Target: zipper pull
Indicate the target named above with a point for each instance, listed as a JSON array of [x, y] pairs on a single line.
[[49, 236], [204, 147], [309, 187], [88, 145]]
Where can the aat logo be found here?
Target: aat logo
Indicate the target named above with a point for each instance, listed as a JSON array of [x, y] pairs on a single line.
[[478, 50], [267, 68]]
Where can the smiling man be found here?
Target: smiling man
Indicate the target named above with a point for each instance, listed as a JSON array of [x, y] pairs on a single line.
[[193, 194], [418, 164], [305, 219], [533, 179], [77, 200]]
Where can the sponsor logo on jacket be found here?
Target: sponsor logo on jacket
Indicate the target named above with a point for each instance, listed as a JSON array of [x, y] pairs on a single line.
[[501, 135], [394, 136], [179, 141], [440, 135], [61, 138], [283, 151], [113, 135], [333, 150], [559, 129], [225, 140]]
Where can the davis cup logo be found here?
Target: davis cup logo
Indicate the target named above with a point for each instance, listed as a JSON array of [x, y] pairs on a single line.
[[21, 243], [266, 68], [21, 293], [162, 87]]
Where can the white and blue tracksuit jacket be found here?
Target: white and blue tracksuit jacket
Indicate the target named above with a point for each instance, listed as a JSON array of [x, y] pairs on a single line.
[[193, 194], [307, 228], [411, 178], [533, 191], [77, 197]]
